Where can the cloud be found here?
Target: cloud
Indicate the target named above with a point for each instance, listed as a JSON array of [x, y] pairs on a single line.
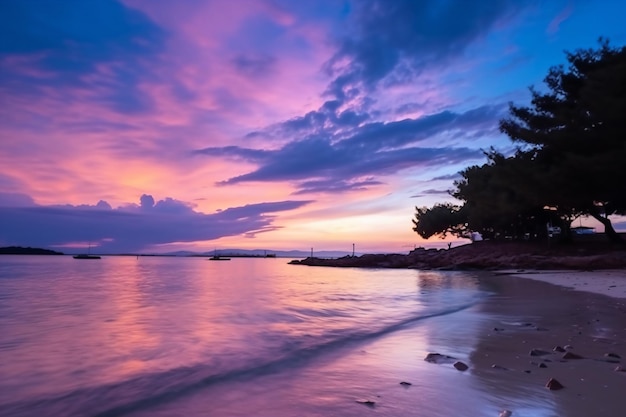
[[395, 40], [431, 191], [131, 227], [333, 159], [93, 45], [455, 176], [254, 66], [15, 200], [335, 186]]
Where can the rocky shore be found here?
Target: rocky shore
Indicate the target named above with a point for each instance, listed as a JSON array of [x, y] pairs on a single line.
[[488, 255]]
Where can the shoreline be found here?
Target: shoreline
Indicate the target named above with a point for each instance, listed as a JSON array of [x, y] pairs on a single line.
[[490, 256], [610, 282], [494, 338]]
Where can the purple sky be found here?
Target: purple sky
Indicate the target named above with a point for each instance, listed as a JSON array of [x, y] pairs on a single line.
[[157, 125]]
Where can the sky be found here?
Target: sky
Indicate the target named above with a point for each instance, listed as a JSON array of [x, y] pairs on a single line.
[[152, 126]]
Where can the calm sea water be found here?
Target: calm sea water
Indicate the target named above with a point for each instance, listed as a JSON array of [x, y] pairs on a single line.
[[160, 336]]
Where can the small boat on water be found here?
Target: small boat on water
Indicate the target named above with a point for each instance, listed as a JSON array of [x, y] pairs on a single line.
[[86, 256], [218, 258]]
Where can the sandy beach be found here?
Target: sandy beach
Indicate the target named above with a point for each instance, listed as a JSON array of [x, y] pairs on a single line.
[[563, 325], [606, 282]]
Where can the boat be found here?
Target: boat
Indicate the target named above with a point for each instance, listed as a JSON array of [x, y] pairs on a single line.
[[218, 258], [86, 256]]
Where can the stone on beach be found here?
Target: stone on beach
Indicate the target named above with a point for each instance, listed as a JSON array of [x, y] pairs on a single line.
[[368, 403], [505, 413], [438, 358], [538, 352], [406, 384], [558, 349], [571, 355], [554, 385], [460, 366]]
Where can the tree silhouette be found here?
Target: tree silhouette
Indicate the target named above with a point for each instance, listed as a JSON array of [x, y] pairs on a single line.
[[570, 161], [577, 133]]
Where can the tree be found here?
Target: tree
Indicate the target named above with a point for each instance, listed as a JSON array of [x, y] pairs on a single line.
[[502, 198], [577, 134], [441, 219], [570, 159]]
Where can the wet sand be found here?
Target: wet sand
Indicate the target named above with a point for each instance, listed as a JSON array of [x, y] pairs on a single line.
[[542, 313]]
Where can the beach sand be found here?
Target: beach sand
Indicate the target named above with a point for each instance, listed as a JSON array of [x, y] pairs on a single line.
[[582, 312], [606, 282]]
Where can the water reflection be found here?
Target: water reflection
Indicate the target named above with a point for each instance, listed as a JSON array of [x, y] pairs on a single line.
[[98, 335]]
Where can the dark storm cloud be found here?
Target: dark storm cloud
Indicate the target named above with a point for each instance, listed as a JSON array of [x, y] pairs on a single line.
[[333, 161], [132, 227], [400, 38], [65, 40]]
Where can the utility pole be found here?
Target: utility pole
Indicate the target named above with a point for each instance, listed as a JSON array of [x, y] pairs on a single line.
[[353, 250]]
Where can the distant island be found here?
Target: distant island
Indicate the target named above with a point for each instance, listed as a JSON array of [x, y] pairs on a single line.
[[19, 250]]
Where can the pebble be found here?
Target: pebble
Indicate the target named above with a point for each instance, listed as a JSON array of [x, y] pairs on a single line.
[[437, 358], [368, 403], [538, 352], [406, 384], [571, 355], [505, 413], [554, 385], [460, 366]]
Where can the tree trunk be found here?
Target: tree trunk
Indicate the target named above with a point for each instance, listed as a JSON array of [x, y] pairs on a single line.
[[610, 233]]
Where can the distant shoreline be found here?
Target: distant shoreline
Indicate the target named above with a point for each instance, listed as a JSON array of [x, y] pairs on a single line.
[[19, 250]]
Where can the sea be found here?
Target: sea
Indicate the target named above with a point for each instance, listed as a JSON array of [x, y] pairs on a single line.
[[186, 336]]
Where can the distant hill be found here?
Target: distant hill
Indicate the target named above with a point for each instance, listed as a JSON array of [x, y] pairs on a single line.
[[18, 250], [260, 253]]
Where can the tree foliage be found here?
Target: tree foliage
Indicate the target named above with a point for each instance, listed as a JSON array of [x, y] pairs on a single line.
[[440, 219], [571, 155]]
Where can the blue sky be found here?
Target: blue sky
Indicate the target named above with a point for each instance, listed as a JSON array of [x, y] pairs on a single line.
[[149, 126]]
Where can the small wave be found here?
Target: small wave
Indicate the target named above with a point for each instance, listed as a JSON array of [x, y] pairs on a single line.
[[139, 393]]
